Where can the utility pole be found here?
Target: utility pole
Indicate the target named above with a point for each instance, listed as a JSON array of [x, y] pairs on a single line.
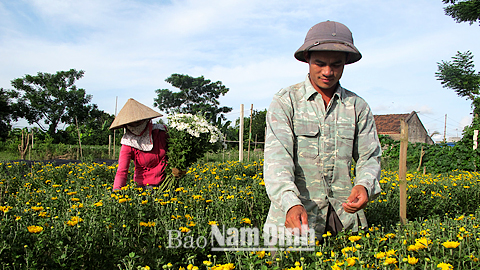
[[445, 130]]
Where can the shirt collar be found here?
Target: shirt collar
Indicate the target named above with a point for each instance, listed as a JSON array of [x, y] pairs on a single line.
[[310, 90]]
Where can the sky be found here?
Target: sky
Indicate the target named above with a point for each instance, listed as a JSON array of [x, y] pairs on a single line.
[[128, 48]]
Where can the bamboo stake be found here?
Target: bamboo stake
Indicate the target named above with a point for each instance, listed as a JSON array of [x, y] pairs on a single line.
[[422, 153], [240, 136], [402, 171], [250, 132], [79, 140]]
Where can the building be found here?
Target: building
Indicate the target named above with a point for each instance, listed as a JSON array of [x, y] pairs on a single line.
[[389, 124]]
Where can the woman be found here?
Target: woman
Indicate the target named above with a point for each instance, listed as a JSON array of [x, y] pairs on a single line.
[[144, 143]]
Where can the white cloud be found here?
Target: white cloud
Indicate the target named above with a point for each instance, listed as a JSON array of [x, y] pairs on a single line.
[[128, 48]]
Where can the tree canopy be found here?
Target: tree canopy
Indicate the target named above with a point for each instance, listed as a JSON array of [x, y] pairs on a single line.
[[460, 76], [5, 114], [463, 11], [196, 96], [51, 99]]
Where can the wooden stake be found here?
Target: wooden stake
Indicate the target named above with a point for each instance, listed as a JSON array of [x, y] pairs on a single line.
[[114, 131], [79, 140], [422, 153], [240, 136], [250, 132], [402, 171]]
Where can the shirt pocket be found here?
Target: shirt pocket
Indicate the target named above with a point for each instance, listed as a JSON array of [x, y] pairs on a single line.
[[307, 138], [345, 140]]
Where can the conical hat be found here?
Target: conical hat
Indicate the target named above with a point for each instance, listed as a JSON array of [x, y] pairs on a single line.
[[133, 111]]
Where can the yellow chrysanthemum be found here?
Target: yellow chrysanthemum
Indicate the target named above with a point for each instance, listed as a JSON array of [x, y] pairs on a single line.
[[412, 260], [450, 244], [354, 238], [444, 266], [34, 229], [246, 220]]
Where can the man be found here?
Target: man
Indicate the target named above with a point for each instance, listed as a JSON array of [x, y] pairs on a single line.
[[314, 130]]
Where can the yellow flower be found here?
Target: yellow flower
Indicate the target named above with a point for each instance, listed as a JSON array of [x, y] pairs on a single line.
[[184, 229], [412, 248], [34, 229], [390, 261], [207, 263], [335, 267], [145, 202], [412, 260], [212, 223], [390, 252], [380, 255], [260, 254], [354, 238], [422, 243], [450, 244], [74, 221], [444, 266], [122, 200], [228, 266], [351, 261], [147, 224], [246, 220], [5, 209], [37, 208], [319, 254]]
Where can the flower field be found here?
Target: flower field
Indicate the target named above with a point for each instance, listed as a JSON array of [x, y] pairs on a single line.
[[67, 216]]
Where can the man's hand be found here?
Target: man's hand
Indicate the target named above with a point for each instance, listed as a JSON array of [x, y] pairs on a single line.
[[297, 218], [357, 200]]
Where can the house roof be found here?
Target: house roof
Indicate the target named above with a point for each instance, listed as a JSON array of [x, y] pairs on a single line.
[[390, 123]]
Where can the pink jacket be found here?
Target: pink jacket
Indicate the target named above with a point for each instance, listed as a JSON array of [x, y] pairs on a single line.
[[149, 166]]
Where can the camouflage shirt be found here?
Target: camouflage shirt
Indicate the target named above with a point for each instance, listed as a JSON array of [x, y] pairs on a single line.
[[309, 151]]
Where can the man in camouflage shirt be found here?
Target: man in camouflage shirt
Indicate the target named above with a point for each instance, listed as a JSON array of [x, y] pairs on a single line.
[[314, 130]]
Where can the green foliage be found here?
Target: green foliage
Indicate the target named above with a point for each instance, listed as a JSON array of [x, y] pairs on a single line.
[[5, 114], [196, 96], [258, 127], [52, 99], [460, 76], [463, 11], [83, 224], [437, 158]]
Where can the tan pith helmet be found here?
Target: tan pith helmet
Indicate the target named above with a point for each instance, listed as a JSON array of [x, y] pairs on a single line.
[[329, 36], [133, 111]]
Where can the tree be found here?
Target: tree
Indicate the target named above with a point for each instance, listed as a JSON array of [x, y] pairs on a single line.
[[95, 129], [259, 124], [460, 76], [196, 96], [463, 11], [5, 114], [51, 99]]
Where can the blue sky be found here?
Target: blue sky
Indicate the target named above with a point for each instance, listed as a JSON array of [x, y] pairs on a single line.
[[128, 48]]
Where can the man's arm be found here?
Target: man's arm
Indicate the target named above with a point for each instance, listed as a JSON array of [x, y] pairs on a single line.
[[279, 166], [366, 153]]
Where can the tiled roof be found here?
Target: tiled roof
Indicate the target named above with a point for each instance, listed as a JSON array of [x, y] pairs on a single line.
[[389, 123]]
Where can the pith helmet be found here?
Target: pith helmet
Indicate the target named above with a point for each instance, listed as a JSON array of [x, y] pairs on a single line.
[[133, 111], [329, 36]]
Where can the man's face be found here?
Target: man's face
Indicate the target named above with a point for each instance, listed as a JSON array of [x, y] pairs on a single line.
[[326, 69]]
